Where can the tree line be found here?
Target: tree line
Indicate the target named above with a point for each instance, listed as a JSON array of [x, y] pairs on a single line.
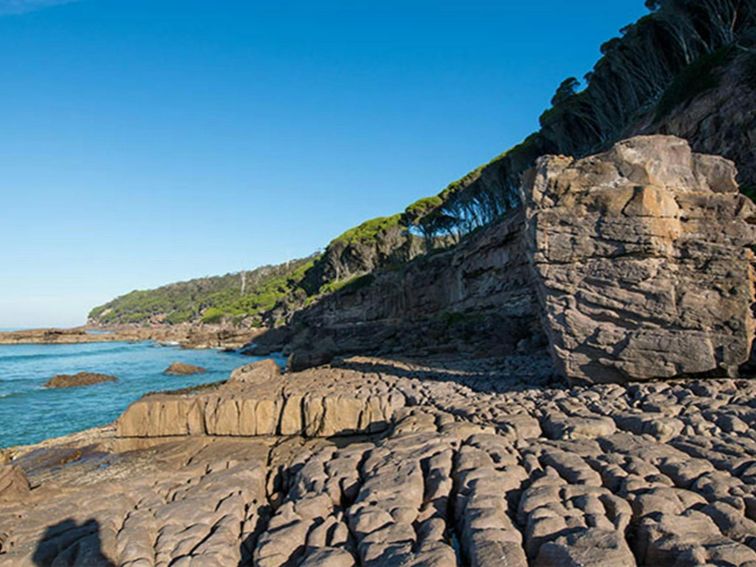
[[631, 78]]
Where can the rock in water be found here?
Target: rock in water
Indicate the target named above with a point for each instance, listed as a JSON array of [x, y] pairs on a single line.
[[642, 261], [80, 379], [183, 369]]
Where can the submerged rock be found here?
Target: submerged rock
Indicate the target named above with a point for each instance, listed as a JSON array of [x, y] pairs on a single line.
[[79, 379], [183, 369]]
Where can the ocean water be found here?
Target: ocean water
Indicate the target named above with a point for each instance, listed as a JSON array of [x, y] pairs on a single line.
[[30, 413]]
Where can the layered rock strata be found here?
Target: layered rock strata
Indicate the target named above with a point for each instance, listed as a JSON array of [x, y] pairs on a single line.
[[642, 260], [477, 468], [257, 400], [476, 299], [632, 264]]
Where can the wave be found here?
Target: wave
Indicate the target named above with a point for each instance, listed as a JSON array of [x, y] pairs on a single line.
[[21, 394], [122, 347]]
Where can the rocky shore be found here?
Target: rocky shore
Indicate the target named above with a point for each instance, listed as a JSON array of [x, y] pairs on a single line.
[[387, 462], [568, 387], [187, 336]]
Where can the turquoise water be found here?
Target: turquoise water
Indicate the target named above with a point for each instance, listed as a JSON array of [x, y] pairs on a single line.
[[30, 413]]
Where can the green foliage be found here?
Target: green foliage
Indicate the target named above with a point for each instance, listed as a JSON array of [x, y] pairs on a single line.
[[207, 300], [460, 184], [566, 89], [421, 208], [700, 76], [213, 315], [368, 230]]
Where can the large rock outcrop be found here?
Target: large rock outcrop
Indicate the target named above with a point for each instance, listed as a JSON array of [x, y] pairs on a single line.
[[257, 400], [475, 299], [635, 263], [642, 260]]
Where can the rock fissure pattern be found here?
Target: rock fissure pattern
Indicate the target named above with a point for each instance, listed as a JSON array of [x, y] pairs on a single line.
[[473, 469]]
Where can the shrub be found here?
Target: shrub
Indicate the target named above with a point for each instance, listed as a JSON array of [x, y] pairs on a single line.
[[368, 230]]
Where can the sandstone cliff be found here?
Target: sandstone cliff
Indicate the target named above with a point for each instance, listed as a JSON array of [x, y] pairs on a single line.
[[636, 263], [642, 261], [372, 245], [474, 299]]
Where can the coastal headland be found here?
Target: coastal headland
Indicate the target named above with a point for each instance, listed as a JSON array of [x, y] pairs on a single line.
[[548, 363]]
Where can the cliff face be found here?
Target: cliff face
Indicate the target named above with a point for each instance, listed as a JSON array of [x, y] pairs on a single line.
[[642, 260], [636, 262], [476, 298], [345, 258], [373, 245], [721, 120]]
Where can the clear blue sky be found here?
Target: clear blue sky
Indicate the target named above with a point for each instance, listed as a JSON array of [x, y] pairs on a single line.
[[148, 141]]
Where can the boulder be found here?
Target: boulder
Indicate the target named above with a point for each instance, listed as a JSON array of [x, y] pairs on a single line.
[[183, 369], [79, 379], [257, 372], [642, 261]]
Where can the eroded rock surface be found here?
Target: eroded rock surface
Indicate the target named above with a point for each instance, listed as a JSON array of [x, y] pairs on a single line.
[[643, 262], [632, 264], [257, 401], [476, 467]]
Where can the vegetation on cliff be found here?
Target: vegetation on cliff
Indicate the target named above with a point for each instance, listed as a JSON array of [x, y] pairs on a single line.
[[658, 63], [238, 297], [368, 230]]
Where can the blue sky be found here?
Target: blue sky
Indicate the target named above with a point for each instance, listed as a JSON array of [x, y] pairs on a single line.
[[148, 141]]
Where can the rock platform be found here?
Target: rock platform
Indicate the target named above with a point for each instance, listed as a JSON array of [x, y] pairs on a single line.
[[472, 467]]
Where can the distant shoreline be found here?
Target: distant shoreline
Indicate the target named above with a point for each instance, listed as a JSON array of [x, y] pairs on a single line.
[[186, 336]]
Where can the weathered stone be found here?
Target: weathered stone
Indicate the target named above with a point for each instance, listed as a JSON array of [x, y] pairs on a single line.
[[451, 469], [257, 373], [586, 548], [79, 379], [14, 485], [643, 270], [183, 369], [259, 400]]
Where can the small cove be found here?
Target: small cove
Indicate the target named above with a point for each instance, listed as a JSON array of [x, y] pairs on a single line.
[[30, 413]]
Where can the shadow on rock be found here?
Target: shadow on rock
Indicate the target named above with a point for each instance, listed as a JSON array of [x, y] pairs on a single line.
[[69, 543], [494, 375]]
